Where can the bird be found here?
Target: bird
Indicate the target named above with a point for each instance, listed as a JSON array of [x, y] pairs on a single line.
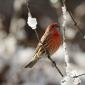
[[48, 44]]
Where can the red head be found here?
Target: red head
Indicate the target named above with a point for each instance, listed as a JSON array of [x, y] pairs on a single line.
[[53, 28], [54, 25]]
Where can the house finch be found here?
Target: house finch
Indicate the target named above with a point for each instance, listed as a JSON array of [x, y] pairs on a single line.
[[49, 43]]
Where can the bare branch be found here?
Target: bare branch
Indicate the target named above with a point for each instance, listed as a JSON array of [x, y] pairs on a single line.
[[74, 20]]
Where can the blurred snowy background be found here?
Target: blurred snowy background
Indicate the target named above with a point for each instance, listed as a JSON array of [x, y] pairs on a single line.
[[18, 41]]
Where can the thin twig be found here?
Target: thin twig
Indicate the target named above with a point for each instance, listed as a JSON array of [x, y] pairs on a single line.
[[53, 62], [75, 22], [79, 75], [37, 35], [27, 5]]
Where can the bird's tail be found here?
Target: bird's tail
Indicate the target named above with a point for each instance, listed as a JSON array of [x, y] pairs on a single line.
[[31, 64], [36, 57]]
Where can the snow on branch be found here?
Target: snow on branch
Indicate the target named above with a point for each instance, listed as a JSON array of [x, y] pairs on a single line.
[[71, 77], [32, 22]]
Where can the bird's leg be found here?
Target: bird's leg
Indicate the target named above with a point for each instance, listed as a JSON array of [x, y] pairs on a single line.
[[53, 62]]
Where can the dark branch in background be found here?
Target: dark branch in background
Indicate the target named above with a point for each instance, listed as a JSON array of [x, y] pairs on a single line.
[[79, 75], [72, 17], [53, 62], [75, 22]]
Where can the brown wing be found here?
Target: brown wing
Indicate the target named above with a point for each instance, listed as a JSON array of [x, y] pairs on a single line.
[[41, 45]]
